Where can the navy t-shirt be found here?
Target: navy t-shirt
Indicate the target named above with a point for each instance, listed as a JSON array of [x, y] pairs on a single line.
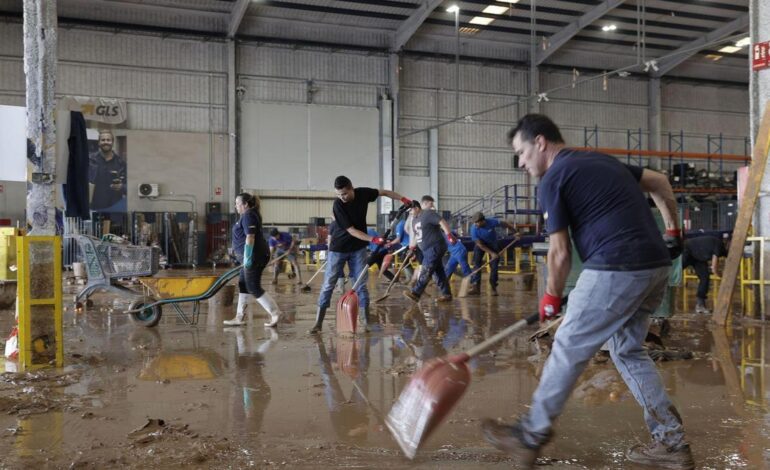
[[239, 240], [352, 214], [251, 224], [598, 198]]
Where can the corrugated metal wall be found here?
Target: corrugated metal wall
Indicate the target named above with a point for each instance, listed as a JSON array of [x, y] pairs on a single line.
[[474, 158], [170, 84], [280, 74], [175, 84]]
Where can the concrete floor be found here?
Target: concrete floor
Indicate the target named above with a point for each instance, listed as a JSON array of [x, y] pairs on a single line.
[[256, 397]]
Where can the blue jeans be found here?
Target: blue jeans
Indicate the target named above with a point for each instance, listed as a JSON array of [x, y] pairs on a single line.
[[452, 263], [431, 266], [612, 307], [478, 260], [356, 261]]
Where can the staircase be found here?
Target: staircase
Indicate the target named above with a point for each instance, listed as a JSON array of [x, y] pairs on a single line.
[[515, 202]]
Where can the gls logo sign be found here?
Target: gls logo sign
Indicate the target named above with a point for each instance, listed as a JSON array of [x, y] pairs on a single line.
[[101, 110], [108, 111]]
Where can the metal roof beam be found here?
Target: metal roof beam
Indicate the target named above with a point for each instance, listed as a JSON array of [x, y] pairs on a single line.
[[690, 49], [562, 37], [413, 23], [236, 16]]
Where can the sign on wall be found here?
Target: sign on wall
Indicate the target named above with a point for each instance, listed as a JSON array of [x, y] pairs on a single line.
[[760, 57]]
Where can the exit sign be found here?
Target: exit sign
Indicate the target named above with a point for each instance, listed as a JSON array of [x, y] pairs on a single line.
[[760, 56]]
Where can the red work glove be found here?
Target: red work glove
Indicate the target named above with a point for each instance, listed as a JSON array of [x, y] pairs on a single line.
[[379, 241], [451, 239], [673, 241], [406, 201], [550, 306]]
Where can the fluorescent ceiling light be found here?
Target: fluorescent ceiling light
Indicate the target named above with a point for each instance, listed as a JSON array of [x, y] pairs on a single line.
[[453, 9], [481, 20], [494, 10], [730, 49], [609, 27], [469, 31], [714, 57], [510, 2], [743, 42]]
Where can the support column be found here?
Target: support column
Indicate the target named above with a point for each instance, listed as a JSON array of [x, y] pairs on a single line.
[[394, 82], [759, 87], [232, 182], [433, 163], [40, 37], [533, 106], [654, 119], [386, 152]]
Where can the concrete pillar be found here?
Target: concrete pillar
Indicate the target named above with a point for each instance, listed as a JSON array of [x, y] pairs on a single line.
[[654, 118], [759, 87], [40, 38]]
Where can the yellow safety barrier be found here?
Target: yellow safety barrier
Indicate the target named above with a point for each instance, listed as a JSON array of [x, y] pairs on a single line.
[[749, 282], [753, 366], [39, 301], [689, 275]]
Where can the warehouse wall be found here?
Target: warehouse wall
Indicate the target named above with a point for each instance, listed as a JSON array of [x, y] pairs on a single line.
[[474, 157], [170, 84], [13, 201], [178, 85], [279, 75]]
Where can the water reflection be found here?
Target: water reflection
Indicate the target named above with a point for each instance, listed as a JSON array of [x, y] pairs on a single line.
[[250, 394], [348, 412]]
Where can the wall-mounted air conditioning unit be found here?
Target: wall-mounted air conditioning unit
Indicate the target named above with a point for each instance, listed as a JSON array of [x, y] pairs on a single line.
[[149, 190]]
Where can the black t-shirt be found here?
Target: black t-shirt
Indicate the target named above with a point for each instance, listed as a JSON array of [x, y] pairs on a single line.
[[251, 224], [102, 174], [352, 214], [703, 248], [598, 198], [334, 230]]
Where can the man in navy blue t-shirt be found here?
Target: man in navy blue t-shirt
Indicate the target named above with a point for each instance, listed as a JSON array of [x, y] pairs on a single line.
[[599, 201]]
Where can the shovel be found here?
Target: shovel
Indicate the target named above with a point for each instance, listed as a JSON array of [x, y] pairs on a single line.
[[433, 391], [395, 278], [465, 285], [306, 287], [347, 307]]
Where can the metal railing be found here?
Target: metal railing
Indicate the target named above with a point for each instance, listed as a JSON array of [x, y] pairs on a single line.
[[516, 201]]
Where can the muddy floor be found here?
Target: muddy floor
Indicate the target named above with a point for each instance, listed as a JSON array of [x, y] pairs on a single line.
[[177, 396]]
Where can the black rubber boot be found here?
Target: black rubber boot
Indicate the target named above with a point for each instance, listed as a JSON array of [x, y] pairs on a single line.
[[319, 321], [368, 321]]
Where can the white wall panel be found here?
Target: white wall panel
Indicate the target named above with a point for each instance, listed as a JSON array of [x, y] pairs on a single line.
[[304, 147]]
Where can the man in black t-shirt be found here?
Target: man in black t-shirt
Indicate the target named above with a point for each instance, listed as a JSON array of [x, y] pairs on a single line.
[[349, 243], [699, 252], [107, 177]]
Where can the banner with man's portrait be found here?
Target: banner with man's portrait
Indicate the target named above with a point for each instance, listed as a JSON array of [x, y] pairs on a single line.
[[96, 153]]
